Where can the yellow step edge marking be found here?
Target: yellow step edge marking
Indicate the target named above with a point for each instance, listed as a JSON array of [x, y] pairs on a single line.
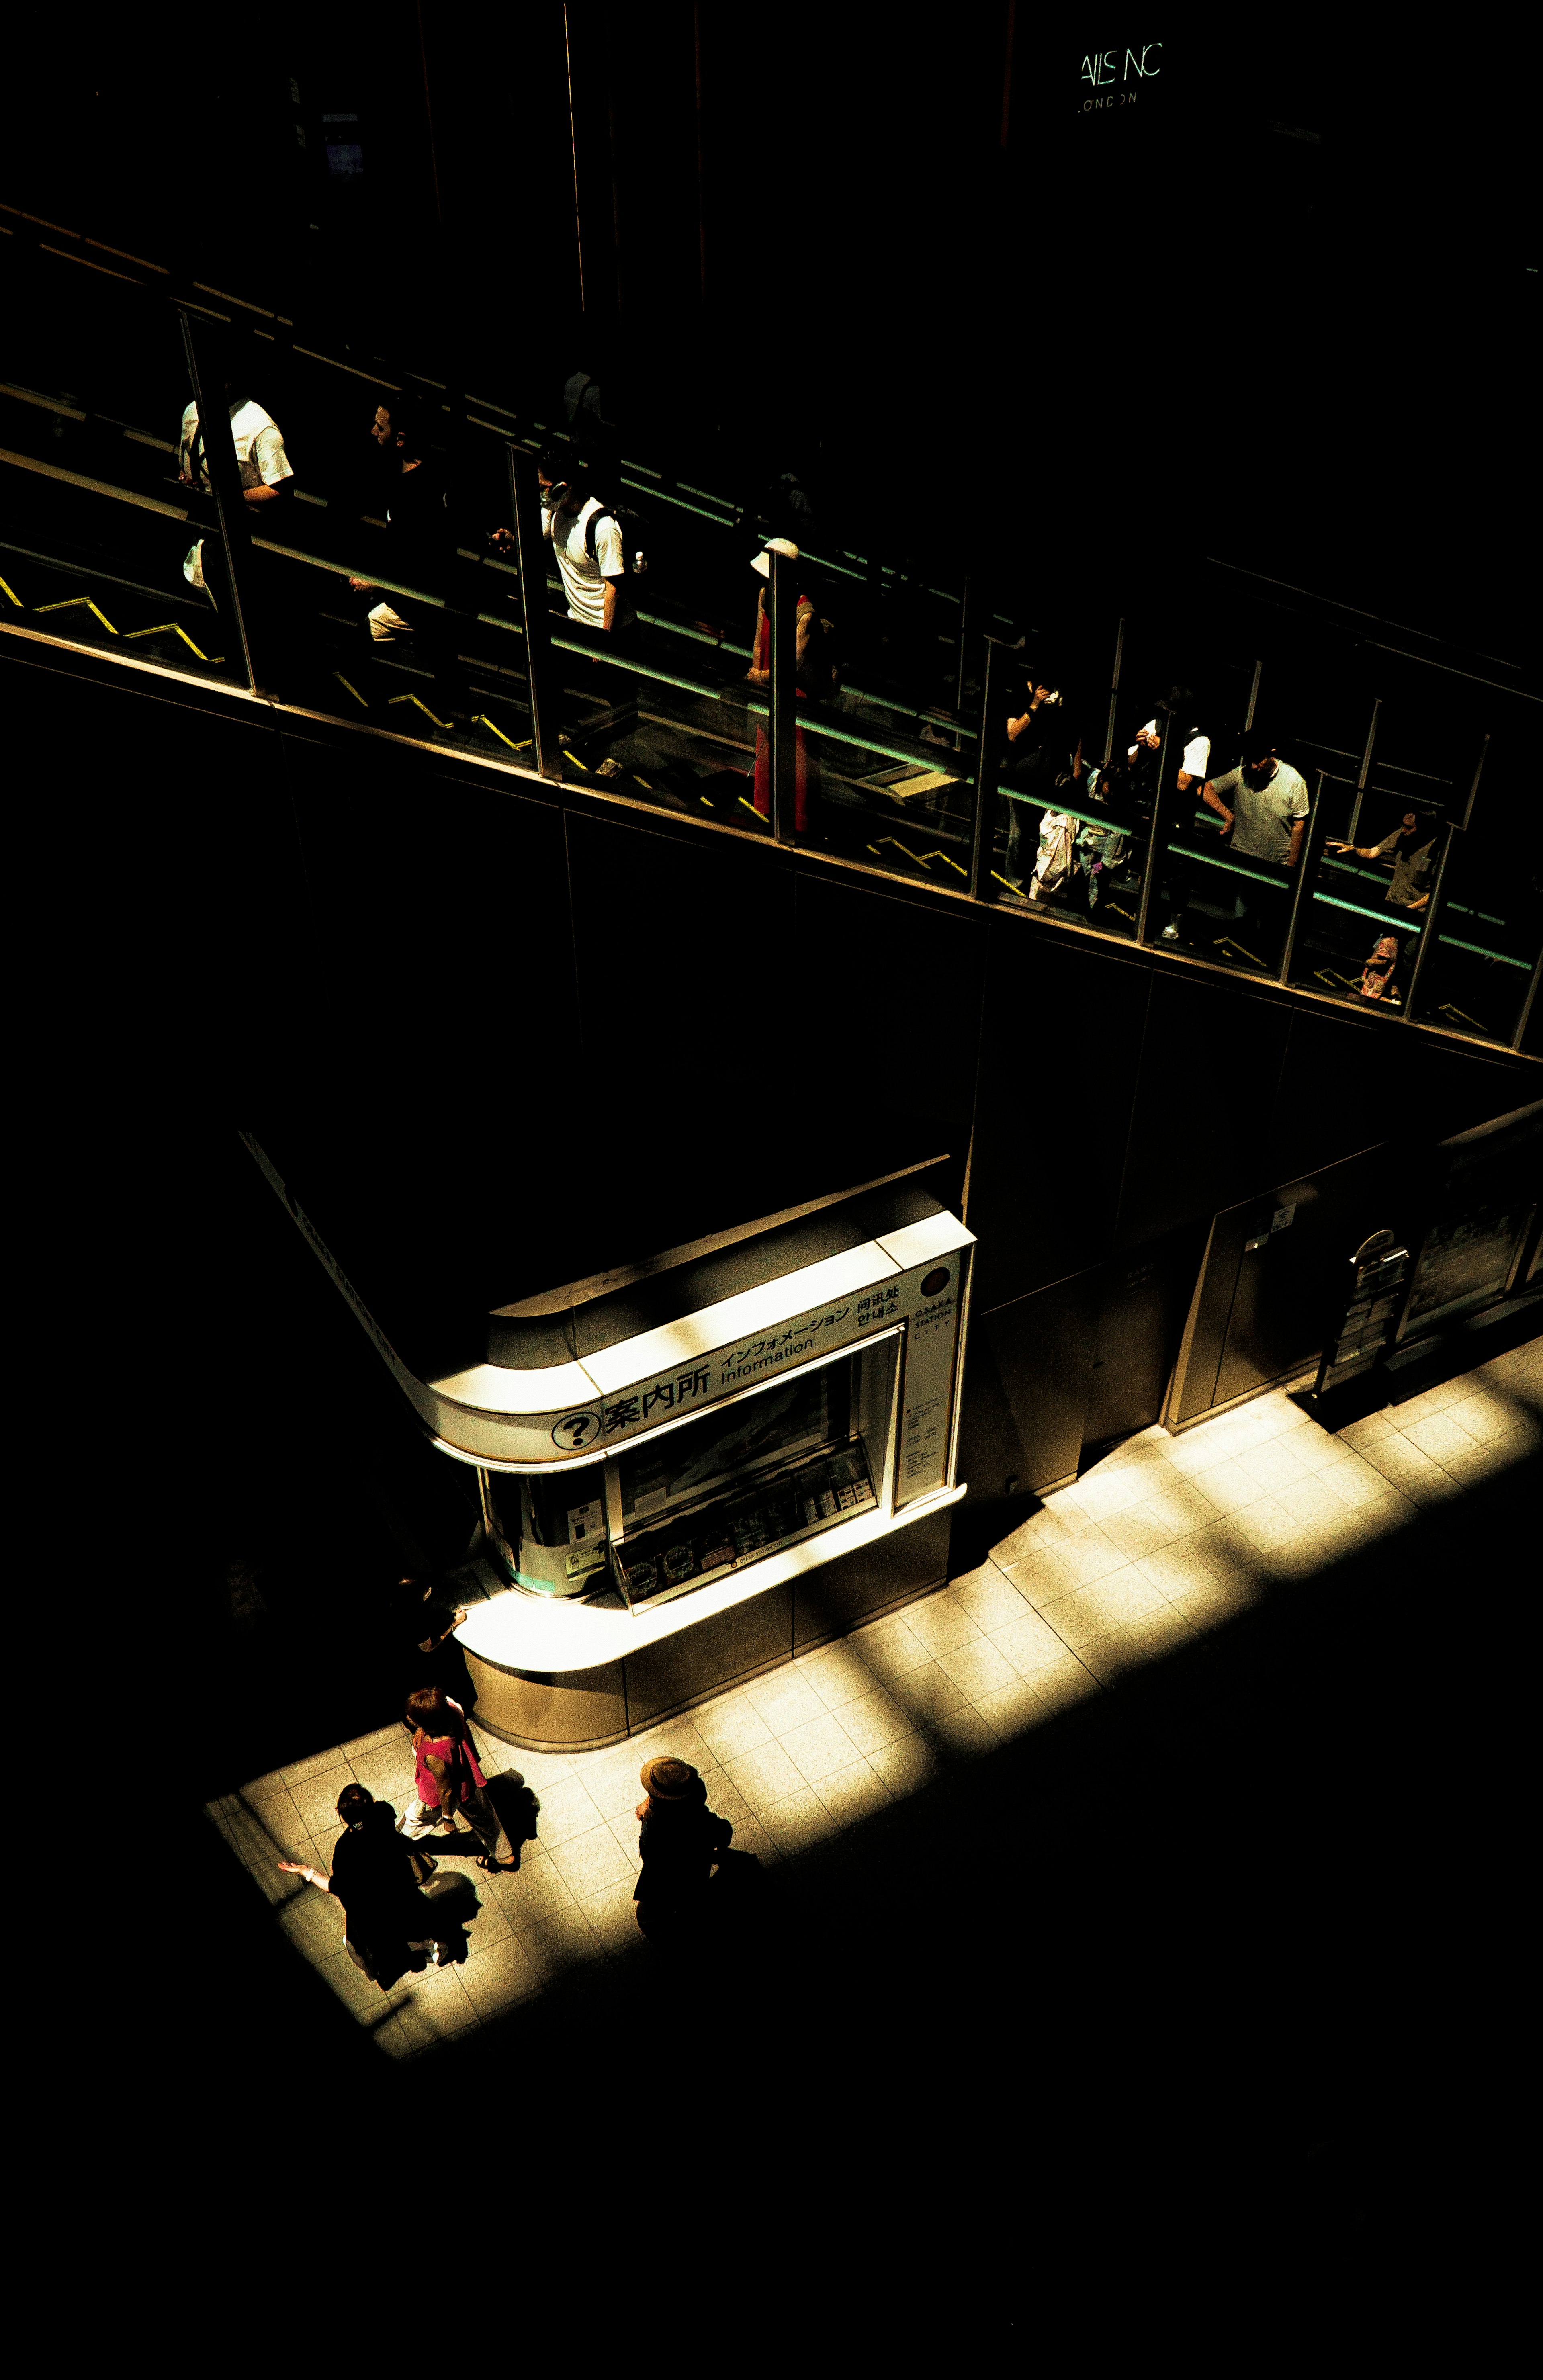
[[352, 688], [750, 806], [1462, 1014], [1001, 879], [905, 850], [422, 705], [68, 605], [483, 720], [14, 596], [946, 861], [170, 627], [576, 762]]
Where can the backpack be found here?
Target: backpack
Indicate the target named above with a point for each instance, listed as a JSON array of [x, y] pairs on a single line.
[[634, 529]]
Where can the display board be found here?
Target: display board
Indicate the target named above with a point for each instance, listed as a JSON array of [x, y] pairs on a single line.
[[1378, 1272], [1466, 1257]]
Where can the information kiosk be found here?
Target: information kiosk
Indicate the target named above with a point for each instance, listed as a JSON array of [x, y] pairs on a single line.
[[697, 1468]]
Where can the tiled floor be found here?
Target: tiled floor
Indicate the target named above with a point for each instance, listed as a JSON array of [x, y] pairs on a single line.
[[1163, 1540]]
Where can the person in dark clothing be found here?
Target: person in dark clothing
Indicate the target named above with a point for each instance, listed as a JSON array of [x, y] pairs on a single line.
[[417, 515], [680, 1841], [424, 1651], [389, 1923]]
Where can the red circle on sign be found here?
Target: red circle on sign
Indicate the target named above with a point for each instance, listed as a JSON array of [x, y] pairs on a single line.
[[934, 1280]]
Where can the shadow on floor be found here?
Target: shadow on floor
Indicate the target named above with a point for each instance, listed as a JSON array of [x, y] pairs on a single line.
[[1203, 1957]]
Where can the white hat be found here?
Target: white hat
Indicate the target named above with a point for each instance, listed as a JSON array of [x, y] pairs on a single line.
[[783, 545]]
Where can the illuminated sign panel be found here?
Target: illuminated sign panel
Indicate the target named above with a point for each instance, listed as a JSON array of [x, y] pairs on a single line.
[[1114, 76]]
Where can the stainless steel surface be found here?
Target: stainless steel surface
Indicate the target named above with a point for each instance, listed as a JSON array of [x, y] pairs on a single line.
[[553, 1712]]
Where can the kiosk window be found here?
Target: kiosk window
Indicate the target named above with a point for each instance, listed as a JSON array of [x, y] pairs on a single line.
[[689, 1462], [733, 1486]]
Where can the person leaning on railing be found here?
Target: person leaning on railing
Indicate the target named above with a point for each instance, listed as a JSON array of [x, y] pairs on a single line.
[[1267, 816], [1412, 847]]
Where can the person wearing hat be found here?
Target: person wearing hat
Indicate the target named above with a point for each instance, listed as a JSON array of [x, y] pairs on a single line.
[[806, 781], [680, 1841]]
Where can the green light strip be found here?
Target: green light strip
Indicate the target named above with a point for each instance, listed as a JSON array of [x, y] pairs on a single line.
[[1231, 866], [1358, 909], [1086, 818], [1479, 952]]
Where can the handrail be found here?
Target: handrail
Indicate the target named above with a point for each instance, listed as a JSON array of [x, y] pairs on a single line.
[[1378, 916]]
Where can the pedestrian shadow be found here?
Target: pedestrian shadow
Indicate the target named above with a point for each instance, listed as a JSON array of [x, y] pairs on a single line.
[[518, 1809]]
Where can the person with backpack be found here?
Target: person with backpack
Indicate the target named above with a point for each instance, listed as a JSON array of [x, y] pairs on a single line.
[[589, 545], [449, 1779], [815, 677]]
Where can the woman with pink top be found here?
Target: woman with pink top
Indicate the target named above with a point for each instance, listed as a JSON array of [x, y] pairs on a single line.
[[449, 1779]]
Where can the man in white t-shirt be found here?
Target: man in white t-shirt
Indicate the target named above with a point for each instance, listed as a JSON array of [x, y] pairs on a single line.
[[595, 584], [265, 467]]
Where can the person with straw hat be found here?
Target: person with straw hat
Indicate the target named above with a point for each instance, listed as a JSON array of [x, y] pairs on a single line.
[[680, 1841]]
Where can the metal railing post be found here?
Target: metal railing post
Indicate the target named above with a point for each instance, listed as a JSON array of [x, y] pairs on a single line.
[[1307, 877], [1428, 925], [1154, 846], [784, 672], [1529, 1000], [1252, 696], [964, 631], [214, 437], [986, 799], [1365, 772], [1113, 695], [1468, 818], [531, 557]]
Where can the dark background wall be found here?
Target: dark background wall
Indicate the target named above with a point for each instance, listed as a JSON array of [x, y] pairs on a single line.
[[470, 1008]]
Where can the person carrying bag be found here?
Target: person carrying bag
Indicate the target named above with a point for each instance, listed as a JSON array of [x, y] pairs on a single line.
[[449, 1780]]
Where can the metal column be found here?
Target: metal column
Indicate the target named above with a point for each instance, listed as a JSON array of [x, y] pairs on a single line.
[[1307, 876], [784, 610], [1252, 696], [1161, 801], [225, 480], [525, 502], [986, 799], [1428, 924], [1365, 772], [1113, 695]]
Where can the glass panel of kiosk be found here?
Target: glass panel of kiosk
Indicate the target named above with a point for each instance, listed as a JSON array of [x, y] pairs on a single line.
[[741, 1482]]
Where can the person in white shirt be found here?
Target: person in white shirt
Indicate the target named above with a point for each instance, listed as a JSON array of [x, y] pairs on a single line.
[[1177, 704], [595, 583], [264, 467]]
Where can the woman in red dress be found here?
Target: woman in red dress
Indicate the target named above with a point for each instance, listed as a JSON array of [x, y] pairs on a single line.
[[806, 767]]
